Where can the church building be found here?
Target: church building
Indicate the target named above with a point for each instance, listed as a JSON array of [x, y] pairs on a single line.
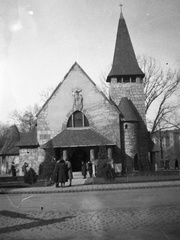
[[78, 118]]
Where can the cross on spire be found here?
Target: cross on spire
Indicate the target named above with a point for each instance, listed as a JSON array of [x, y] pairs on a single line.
[[121, 5]]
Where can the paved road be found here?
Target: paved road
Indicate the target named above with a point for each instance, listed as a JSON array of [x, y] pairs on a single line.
[[124, 214]]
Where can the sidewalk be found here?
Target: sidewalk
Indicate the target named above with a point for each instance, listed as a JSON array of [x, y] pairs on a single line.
[[80, 186]]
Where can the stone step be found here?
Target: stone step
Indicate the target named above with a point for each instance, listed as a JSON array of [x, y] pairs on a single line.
[[77, 175]]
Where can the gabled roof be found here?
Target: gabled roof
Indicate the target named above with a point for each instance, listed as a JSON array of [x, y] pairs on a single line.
[[28, 139], [10, 148], [128, 110], [13, 151], [71, 69], [124, 62], [78, 137]]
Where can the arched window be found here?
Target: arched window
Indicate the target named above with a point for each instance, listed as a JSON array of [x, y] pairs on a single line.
[[77, 119]]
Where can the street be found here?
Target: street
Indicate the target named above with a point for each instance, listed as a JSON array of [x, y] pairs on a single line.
[[122, 214]]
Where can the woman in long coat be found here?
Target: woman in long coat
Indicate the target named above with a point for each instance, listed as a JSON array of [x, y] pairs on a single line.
[[62, 172], [69, 171]]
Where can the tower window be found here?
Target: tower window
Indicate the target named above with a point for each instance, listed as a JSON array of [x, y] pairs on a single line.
[[133, 79], [126, 79], [126, 126], [77, 119]]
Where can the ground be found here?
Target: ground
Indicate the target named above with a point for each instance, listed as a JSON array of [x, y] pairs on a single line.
[[122, 214]]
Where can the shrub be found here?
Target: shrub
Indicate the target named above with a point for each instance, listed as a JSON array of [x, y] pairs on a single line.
[[49, 163], [105, 171], [104, 168]]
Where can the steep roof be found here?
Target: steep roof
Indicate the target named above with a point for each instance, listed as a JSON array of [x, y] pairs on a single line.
[[78, 137], [10, 148], [75, 65], [128, 110], [124, 62], [28, 139]]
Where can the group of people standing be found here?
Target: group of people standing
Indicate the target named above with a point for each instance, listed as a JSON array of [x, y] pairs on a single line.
[[63, 172]]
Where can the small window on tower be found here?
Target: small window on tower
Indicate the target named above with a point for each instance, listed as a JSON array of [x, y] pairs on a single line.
[[133, 79], [126, 79], [119, 79], [126, 126]]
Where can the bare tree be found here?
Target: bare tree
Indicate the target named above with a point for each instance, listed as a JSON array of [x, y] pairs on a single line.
[[46, 94], [26, 120], [104, 86], [160, 87]]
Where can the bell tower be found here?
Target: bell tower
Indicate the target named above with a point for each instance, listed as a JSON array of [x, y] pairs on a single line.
[[127, 91], [125, 77]]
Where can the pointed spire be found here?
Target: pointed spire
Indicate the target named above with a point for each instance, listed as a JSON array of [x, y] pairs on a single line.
[[124, 62], [121, 14]]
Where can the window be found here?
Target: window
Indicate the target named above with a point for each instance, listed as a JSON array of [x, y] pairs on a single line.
[[77, 119], [126, 79], [133, 79]]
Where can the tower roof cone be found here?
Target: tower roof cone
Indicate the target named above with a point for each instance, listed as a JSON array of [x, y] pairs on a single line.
[[124, 62]]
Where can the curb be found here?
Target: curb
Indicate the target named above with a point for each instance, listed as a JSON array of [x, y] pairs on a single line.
[[84, 188]]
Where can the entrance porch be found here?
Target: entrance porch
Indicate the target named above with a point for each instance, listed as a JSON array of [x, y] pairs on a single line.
[[80, 145]]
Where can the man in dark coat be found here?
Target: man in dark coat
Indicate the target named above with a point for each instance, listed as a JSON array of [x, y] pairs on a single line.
[[90, 170], [13, 169], [84, 169], [60, 172]]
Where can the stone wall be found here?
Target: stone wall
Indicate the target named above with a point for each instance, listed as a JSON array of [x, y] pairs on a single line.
[[33, 156], [131, 143], [134, 92], [101, 114]]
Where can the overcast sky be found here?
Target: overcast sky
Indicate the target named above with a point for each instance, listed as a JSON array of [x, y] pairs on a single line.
[[41, 39]]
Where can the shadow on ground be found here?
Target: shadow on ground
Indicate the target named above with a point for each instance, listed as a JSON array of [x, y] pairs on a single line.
[[35, 222]]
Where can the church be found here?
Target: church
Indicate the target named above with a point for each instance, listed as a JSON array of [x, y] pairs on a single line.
[[78, 118]]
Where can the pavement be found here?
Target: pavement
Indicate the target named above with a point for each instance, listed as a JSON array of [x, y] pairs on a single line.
[[80, 185], [98, 215]]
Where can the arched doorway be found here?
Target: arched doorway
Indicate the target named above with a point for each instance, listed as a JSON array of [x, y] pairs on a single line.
[[78, 156]]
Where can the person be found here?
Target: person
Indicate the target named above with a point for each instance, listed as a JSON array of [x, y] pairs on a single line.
[[69, 172], [176, 164], [56, 173], [83, 169], [30, 176], [13, 169], [61, 173], [24, 168], [90, 170]]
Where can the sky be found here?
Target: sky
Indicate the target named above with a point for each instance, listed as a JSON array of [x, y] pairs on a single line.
[[41, 39]]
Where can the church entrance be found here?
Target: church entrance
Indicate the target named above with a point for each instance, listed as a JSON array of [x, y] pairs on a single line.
[[78, 156]]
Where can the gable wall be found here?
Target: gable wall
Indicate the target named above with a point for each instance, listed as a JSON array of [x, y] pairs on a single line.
[[102, 116]]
